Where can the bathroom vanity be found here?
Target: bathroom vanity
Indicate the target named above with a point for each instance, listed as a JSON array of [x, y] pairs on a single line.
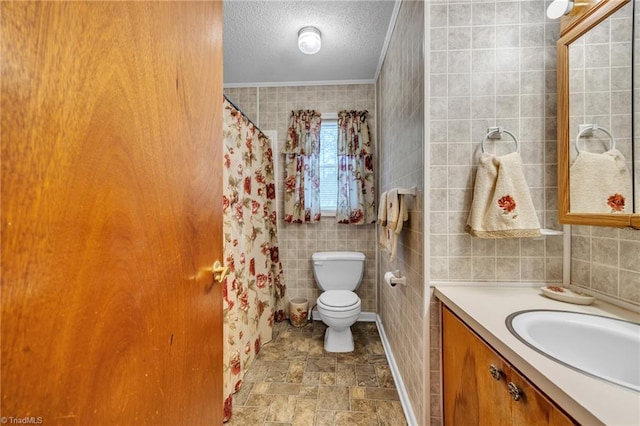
[[491, 377], [481, 387]]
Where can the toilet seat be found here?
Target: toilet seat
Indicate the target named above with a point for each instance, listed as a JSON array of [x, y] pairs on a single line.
[[339, 300]]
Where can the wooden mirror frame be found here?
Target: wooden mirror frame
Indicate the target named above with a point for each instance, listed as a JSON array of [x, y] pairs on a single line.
[[580, 25]]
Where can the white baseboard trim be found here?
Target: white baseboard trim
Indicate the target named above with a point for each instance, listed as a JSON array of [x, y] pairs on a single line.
[[402, 391], [368, 317]]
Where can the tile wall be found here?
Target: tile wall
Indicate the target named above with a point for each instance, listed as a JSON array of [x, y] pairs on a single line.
[[400, 91], [491, 63], [606, 260], [269, 108]]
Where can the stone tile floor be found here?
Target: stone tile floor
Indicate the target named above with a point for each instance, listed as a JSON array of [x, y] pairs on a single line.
[[293, 381]]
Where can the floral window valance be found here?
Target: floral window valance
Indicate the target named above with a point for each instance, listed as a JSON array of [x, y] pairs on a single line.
[[302, 168], [356, 203]]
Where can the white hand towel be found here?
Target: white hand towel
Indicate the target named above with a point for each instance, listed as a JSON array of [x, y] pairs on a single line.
[[403, 216], [382, 220], [502, 206], [600, 183], [392, 206], [382, 209], [395, 214]]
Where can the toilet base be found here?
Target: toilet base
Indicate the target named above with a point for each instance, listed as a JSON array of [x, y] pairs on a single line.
[[338, 341]]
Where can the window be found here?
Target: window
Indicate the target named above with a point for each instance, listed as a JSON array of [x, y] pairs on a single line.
[[329, 166]]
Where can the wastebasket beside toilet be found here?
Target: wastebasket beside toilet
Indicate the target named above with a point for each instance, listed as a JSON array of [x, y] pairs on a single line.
[[298, 311]]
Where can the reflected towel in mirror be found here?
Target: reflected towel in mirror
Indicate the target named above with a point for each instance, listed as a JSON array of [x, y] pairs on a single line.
[[600, 183]]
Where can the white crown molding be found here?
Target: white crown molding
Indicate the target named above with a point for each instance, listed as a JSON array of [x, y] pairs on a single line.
[[297, 83], [387, 39]]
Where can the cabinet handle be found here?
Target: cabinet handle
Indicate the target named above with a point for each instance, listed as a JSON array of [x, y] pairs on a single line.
[[495, 372], [514, 391]]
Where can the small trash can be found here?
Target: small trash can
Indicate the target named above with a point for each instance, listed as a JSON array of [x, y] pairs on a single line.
[[298, 311]]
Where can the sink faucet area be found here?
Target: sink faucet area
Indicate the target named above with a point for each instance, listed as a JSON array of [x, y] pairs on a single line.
[[604, 347]]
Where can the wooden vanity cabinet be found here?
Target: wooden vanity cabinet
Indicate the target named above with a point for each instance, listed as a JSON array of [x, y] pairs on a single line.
[[482, 388]]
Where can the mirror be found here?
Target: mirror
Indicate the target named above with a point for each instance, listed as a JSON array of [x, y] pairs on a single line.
[[595, 118]]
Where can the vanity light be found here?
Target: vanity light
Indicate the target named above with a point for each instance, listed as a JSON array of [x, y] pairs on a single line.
[[309, 40], [559, 8]]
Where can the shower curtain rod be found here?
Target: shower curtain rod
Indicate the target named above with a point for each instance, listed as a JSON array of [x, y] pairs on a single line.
[[243, 114]]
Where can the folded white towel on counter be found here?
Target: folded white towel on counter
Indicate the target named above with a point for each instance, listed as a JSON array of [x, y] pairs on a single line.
[[502, 205], [600, 183]]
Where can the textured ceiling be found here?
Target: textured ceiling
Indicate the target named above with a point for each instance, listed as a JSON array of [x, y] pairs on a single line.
[[261, 40]]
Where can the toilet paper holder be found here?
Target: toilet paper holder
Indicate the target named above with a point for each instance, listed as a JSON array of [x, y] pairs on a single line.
[[393, 278]]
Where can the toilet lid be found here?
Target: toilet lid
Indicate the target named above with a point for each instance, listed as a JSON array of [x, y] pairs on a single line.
[[339, 298]]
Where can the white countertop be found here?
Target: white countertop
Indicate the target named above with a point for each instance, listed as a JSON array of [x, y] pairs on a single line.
[[587, 399]]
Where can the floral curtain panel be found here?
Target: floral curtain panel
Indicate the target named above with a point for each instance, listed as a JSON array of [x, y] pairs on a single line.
[[254, 290], [355, 170], [302, 168]]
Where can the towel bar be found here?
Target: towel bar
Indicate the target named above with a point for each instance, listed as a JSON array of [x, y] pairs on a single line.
[[499, 130], [407, 191], [584, 128]]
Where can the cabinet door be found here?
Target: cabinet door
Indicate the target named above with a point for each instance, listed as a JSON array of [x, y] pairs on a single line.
[[471, 395], [533, 408], [476, 395]]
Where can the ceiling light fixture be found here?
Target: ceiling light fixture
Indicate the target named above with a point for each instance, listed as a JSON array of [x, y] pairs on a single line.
[[559, 8], [309, 40]]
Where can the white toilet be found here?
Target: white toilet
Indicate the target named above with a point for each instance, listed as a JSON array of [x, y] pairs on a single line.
[[338, 274]]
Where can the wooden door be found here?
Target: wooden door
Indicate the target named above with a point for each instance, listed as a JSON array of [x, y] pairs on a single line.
[[111, 207]]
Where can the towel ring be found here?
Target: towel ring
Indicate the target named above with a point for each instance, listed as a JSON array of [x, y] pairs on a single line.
[[593, 128], [493, 130]]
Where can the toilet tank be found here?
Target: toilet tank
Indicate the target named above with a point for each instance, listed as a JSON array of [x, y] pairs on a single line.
[[338, 270]]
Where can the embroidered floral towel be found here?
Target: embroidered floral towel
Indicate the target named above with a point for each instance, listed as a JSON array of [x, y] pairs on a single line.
[[600, 183], [501, 205]]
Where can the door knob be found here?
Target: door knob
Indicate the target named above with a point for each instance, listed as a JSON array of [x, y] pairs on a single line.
[[219, 271]]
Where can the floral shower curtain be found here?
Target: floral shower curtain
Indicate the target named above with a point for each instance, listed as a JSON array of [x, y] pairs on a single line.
[[302, 168], [355, 170], [254, 290]]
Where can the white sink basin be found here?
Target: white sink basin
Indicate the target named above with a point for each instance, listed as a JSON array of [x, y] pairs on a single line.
[[603, 347]]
